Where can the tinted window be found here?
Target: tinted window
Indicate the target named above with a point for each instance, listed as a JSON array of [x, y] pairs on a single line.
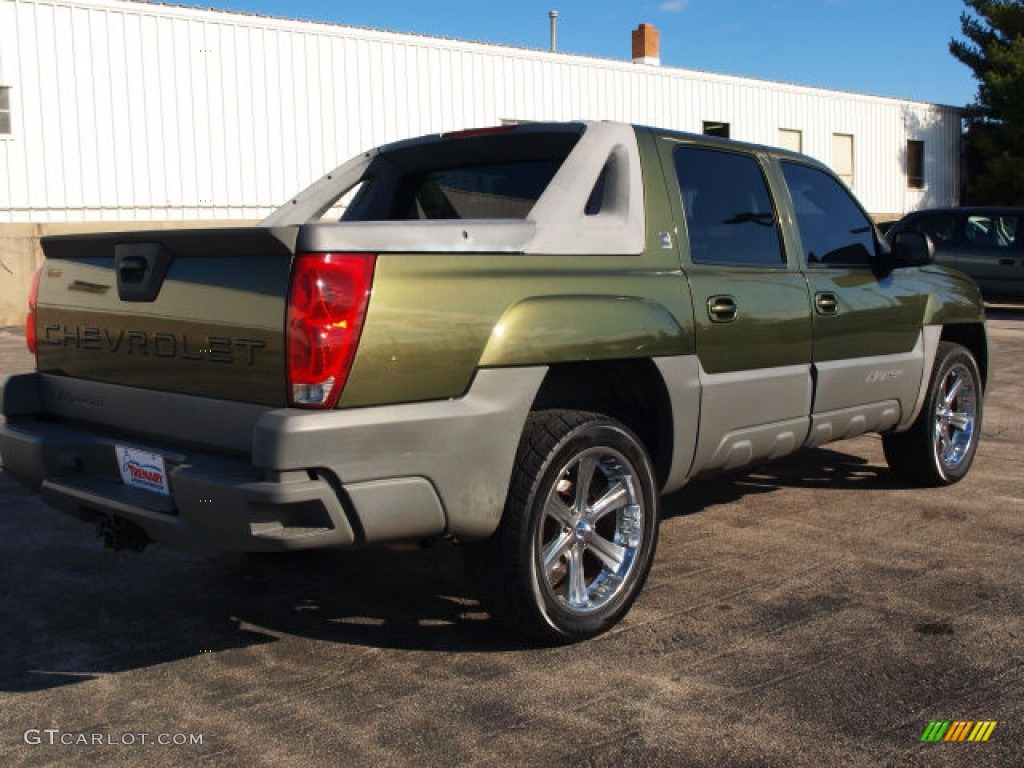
[[991, 231], [729, 214], [833, 228], [940, 227]]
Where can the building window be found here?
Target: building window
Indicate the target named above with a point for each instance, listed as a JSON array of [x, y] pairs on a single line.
[[915, 164], [715, 128], [5, 110], [791, 140], [842, 157]]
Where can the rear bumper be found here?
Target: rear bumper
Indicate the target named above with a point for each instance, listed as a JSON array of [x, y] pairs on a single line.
[[309, 479]]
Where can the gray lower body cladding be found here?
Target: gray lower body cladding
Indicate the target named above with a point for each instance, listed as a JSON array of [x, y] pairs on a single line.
[[274, 479]]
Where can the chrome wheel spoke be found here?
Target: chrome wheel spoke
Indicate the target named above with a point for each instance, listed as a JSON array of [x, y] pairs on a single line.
[[608, 552], [954, 390], [578, 594], [961, 421], [558, 510], [551, 559], [584, 479], [615, 498]]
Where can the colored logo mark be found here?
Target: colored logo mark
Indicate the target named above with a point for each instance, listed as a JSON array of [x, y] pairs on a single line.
[[958, 730]]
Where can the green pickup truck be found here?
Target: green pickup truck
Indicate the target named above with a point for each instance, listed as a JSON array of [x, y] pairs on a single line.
[[518, 338]]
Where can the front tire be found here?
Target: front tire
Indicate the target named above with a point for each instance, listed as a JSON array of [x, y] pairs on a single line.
[[579, 529], [940, 446]]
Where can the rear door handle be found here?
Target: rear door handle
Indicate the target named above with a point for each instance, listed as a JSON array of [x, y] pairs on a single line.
[[722, 309], [826, 304], [1007, 263]]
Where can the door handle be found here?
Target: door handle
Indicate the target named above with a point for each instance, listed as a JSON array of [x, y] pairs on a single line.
[[722, 309], [1006, 262], [826, 304]]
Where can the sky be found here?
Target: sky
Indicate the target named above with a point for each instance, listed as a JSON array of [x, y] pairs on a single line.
[[883, 47]]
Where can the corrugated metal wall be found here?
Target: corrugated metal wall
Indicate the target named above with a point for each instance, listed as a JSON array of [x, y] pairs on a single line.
[[130, 111]]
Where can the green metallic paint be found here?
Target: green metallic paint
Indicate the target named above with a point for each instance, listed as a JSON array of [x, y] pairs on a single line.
[[216, 328], [417, 346], [772, 326], [433, 319], [556, 328]]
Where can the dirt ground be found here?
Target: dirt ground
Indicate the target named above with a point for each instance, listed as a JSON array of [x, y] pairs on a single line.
[[816, 612]]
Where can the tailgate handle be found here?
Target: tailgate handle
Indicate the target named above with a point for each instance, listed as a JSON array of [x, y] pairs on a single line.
[[141, 269], [132, 269]]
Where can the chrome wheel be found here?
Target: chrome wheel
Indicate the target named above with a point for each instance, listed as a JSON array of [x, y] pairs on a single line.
[[578, 532], [940, 445], [955, 411], [591, 531]]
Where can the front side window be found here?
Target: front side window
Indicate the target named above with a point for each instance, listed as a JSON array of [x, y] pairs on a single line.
[[833, 228], [940, 227], [730, 218]]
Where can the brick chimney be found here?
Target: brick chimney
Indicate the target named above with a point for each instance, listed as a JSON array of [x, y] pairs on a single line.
[[646, 45]]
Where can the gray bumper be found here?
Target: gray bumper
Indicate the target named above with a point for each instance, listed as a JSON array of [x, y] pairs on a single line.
[[302, 479]]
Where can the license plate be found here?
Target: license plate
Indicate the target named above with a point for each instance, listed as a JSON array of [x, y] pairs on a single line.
[[142, 469]]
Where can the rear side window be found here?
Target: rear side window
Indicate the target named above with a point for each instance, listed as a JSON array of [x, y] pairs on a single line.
[[730, 218], [833, 228]]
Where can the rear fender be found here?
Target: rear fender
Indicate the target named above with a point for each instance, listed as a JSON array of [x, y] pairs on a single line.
[[574, 328]]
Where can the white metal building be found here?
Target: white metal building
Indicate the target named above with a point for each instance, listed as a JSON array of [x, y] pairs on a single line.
[[112, 110]]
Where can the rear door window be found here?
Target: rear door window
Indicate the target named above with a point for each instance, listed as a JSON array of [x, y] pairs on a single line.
[[730, 217]]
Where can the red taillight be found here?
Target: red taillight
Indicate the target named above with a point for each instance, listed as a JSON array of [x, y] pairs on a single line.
[[326, 305], [30, 321]]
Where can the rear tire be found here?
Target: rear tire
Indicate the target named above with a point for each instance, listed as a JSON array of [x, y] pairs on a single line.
[[940, 446], [579, 529]]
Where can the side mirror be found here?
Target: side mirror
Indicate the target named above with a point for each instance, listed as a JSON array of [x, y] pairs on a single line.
[[910, 249]]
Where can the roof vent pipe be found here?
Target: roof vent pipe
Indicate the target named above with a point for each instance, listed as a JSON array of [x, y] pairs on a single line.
[[553, 15]]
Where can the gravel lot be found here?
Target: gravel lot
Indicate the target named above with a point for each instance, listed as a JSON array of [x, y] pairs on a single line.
[[816, 612]]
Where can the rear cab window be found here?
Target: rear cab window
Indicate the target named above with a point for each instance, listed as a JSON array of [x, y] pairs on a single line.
[[498, 176]]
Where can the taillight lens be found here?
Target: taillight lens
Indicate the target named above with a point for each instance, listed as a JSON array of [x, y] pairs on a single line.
[[326, 306], [33, 302]]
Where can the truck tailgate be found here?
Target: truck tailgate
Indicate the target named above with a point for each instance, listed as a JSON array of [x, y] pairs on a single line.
[[193, 312]]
